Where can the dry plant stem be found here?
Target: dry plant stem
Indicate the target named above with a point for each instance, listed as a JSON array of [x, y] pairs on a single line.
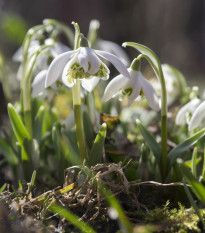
[[78, 120]]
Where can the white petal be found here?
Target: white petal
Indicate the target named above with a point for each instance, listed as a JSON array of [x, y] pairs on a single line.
[[115, 61], [114, 48], [65, 77], [135, 84], [38, 84], [83, 58], [93, 60], [90, 84], [149, 92], [19, 73], [114, 86], [189, 107], [17, 57], [198, 116], [57, 66]]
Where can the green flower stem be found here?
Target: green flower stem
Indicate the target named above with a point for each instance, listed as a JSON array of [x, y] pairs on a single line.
[[160, 76], [78, 120]]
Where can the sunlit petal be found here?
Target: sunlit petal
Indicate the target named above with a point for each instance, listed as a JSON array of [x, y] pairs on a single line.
[[83, 58], [68, 81], [198, 116], [189, 107], [57, 66], [114, 86], [135, 84], [149, 92], [115, 61], [94, 61], [90, 84], [38, 84], [114, 48]]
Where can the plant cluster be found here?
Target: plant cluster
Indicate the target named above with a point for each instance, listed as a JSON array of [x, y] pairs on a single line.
[[69, 128]]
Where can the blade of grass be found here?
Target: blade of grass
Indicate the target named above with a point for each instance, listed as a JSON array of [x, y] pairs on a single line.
[[182, 147], [32, 182], [193, 204], [153, 145], [70, 217], [196, 186], [2, 188], [97, 148], [194, 162], [126, 225], [203, 169]]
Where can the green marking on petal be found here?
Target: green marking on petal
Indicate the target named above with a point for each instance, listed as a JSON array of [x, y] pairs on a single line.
[[102, 72], [127, 91]]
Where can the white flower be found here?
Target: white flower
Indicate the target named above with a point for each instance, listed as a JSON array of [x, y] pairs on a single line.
[[198, 117], [42, 61], [175, 83], [132, 88], [185, 113], [85, 64]]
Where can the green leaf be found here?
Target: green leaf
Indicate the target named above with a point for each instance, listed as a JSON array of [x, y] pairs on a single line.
[[182, 147], [38, 125], [70, 217], [126, 225], [203, 169], [32, 182], [149, 139], [97, 148], [2, 188], [194, 162], [17, 125], [8, 153], [196, 186], [88, 128], [194, 205]]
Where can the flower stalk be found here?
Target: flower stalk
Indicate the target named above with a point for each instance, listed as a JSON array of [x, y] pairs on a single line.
[[78, 120], [158, 70]]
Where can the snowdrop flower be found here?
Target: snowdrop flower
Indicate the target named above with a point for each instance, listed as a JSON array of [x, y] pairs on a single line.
[[42, 61], [84, 64], [184, 115], [175, 83], [198, 117], [122, 86]]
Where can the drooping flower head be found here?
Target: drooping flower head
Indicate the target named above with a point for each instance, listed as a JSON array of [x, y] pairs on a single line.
[[84, 64], [132, 88]]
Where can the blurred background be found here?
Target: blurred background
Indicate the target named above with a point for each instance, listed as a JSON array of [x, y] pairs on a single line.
[[174, 29]]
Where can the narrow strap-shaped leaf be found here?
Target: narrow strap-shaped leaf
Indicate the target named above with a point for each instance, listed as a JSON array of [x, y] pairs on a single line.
[[17, 125], [194, 205], [97, 148], [203, 169], [153, 145], [194, 162], [182, 147], [2, 188], [125, 223], [8, 153], [38, 125], [196, 186], [70, 217], [32, 182]]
